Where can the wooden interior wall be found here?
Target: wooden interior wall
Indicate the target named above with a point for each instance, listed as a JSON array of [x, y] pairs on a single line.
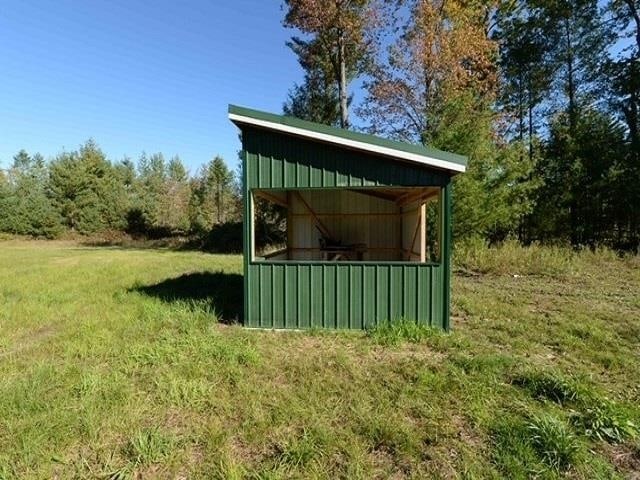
[[411, 231], [350, 217]]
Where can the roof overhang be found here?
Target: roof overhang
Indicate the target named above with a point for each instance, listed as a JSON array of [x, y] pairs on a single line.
[[393, 153]]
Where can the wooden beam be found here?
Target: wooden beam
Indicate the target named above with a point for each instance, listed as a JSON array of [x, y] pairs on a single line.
[[338, 215], [410, 253], [424, 196], [368, 248], [373, 193], [324, 230], [271, 198], [406, 197], [275, 253], [415, 234]]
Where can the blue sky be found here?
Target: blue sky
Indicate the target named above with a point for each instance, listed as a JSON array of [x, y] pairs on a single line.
[[138, 75]]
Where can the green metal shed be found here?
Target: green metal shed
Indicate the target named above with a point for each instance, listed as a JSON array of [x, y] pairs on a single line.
[[368, 226]]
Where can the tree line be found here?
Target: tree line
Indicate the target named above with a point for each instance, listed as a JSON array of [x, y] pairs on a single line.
[[84, 192], [543, 96]]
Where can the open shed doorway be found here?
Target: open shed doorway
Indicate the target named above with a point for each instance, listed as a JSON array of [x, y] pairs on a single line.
[[346, 225]]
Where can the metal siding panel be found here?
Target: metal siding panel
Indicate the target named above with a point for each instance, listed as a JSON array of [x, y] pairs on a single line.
[[339, 167], [276, 173], [343, 293], [304, 173], [396, 292], [290, 174], [252, 313], [266, 296], [432, 296], [305, 290], [277, 279], [446, 255], [422, 294], [328, 292], [252, 171], [356, 298], [410, 284], [382, 301], [263, 166], [369, 296], [436, 297], [317, 296]]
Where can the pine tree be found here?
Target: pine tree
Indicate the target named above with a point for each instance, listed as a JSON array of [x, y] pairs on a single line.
[[337, 47], [27, 210], [87, 190], [317, 98], [151, 189], [526, 75], [175, 202], [212, 200]]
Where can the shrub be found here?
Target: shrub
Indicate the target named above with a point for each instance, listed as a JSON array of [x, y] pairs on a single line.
[[223, 238], [553, 441]]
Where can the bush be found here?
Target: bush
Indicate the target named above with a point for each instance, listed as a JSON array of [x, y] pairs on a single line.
[[223, 238]]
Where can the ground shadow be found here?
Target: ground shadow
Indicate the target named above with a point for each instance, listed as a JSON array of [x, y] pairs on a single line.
[[223, 291]]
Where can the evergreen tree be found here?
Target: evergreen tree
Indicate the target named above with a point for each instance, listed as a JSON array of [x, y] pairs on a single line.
[[175, 202], [87, 191], [317, 98], [151, 190], [26, 208], [526, 74], [212, 196], [337, 49]]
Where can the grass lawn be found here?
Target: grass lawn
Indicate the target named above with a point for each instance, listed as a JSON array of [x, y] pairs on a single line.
[[112, 365]]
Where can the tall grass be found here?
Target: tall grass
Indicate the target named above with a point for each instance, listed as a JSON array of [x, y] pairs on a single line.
[[511, 258]]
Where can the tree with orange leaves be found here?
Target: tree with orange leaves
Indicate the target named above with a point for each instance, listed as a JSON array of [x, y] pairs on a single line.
[[442, 55]]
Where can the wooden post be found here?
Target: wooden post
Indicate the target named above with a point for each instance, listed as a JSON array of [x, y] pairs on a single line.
[[423, 232]]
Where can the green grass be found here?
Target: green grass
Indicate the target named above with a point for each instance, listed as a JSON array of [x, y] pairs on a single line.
[[126, 363]]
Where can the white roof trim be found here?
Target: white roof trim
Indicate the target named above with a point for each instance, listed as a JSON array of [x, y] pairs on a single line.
[[366, 147]]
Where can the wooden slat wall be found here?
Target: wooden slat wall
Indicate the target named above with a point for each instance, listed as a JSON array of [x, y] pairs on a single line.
[[379, 233]]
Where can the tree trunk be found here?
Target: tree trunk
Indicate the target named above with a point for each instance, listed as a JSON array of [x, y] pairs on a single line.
[[520, 107], [342, 83], [571, 89], [530, 106], [636, 19]]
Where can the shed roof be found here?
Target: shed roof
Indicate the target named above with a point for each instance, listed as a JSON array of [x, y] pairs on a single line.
[[430, 157]]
